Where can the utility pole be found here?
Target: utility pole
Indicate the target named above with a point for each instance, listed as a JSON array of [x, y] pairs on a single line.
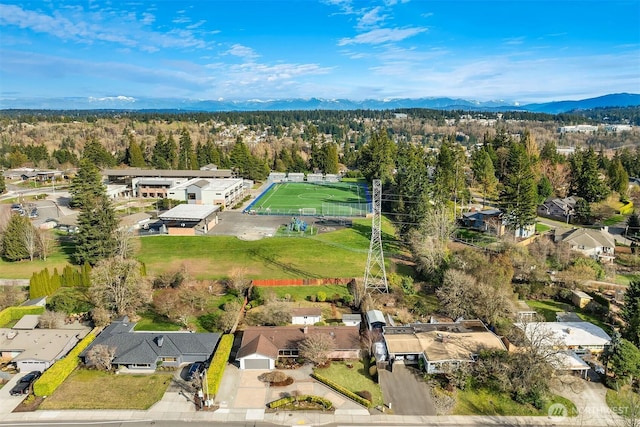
[[375, 276]]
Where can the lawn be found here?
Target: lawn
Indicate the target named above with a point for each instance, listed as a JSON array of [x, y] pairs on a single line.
[[300, 293], [341, 253], [623, 402], [59, 258], [475, 237], [150, 321], [89, 389], [485, 402], [336, 199], [549, 308], [355, 379], [542, 228], [625, 279], [614, 220]]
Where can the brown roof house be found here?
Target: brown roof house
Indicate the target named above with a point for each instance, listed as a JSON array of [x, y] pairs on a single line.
[[441, 346], [262, 345]]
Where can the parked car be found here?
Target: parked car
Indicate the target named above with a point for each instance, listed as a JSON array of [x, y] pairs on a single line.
[[24, 384], [195, 370]]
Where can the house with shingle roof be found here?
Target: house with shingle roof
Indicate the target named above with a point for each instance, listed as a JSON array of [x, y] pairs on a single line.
[[557, 208], [597, 244], [262, 345], [148, 350]]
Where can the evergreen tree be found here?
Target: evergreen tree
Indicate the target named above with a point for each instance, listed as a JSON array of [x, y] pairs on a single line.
[[13, 241], [484, 172], [618, 178], [583, 212], [331, 158], [3, 184], [134, 156], [545, 190], [241, 158], [411, 187], [633, 224], [87, 184], [186, 156], [160, 155], [585, 176], [549, 153], [172, 152], [376, 158], [96, 237], [95, 153], [518, 196], [631, 312]]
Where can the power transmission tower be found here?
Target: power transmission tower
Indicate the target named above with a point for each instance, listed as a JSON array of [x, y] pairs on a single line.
[[375, 276]]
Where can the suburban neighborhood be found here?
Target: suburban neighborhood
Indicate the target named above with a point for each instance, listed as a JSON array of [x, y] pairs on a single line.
[[322, 281]]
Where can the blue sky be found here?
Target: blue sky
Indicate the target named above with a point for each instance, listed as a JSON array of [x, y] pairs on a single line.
[[517, 50]]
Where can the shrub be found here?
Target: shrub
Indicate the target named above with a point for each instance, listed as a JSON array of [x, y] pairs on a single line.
[[365, 394], [322, 296], [304, 398], [59, 371], [219, 363], [15, 313], [340, 389]]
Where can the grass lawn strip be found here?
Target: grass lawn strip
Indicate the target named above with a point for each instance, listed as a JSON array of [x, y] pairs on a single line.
[[90, 389], [485, 402], [549, 308], [355, 379]]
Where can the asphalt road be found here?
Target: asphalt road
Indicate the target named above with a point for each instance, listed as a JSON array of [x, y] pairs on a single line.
[[406, 391]]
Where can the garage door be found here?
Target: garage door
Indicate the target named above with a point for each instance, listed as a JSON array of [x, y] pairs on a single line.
[[256, 363]]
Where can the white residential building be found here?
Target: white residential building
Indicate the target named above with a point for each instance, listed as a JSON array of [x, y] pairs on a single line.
[[223, 192]]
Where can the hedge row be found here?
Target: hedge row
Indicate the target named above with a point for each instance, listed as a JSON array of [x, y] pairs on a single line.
[[219, 363], [59, 371], [305, 398], [15, 313], [340, 389]]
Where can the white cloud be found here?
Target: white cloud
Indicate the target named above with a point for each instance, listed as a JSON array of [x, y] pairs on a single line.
[[371, 18], [242, 51], [120, 98], [382, 35]]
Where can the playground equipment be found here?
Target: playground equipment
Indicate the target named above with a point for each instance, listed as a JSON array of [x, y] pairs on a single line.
[[297, 224]]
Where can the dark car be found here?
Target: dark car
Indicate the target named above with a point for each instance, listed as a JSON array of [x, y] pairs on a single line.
[[24, 384], [195, 370]]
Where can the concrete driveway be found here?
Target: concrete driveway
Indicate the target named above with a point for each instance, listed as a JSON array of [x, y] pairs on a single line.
[[7, 402], [406, 391]]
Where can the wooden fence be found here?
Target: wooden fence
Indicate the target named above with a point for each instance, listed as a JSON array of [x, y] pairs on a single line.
[[302, 282]]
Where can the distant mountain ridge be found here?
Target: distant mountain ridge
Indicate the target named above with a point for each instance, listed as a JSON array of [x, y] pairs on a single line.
[[443, 103]]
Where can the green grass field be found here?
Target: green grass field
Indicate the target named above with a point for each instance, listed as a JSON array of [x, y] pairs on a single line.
[[302, 198]]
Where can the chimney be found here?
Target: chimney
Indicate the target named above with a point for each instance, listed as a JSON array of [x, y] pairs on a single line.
[[160, 340], [305, 330]]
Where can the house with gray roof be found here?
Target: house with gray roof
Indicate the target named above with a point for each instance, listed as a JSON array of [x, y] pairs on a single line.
[[597, 244], [562, 209], [148, 350]]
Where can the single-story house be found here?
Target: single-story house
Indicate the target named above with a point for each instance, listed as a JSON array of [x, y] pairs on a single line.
[[488, 220], [524, 312], [557, 208], [375, 319], [571, 362], [262, 345], [352, 319], [190, 220], [580, 299], [306, 316], [441, 346], [148, 350], [579, 337], [35, 349], [597, 244]]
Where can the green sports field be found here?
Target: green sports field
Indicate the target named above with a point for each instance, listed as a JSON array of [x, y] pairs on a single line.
[[303, 198]]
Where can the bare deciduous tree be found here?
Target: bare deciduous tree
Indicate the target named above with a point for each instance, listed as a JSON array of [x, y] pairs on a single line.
[[454, 293], [100, 316], [118, 286], [126, 245], [101, 356], [30, 241], [11, 295], [51, 320], [230, 317], [316, 347], [45, 243], [238, 281]]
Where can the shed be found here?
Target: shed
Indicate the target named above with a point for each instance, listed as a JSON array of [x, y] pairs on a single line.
[[353, 319], [580, 299], [375, 319], [306, 316]]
